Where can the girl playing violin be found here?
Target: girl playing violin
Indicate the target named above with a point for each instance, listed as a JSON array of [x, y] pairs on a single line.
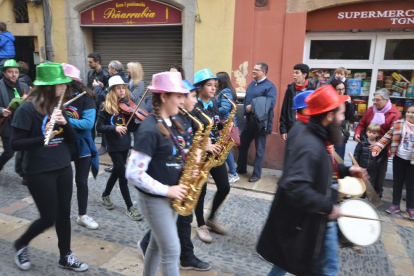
[[111, 123]]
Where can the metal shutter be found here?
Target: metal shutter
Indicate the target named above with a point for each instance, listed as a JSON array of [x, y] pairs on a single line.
[[156, 48]]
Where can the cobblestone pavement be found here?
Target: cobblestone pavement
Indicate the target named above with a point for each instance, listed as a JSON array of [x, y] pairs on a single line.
[[111, 250]]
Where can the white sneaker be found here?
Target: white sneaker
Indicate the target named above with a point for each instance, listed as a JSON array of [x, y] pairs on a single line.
[[87, 222], [233, 178]]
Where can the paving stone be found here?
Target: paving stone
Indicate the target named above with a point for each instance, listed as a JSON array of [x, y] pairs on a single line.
[[243, 213], [43, 264], [9, 224]]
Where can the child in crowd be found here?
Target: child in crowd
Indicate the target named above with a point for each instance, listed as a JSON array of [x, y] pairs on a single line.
[[341, 74], [363, 155], [401, 137]]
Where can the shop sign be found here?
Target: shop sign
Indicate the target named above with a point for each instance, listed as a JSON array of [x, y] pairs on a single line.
[[130, 13], [378, 15]]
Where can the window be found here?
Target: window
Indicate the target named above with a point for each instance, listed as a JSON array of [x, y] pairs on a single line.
[[340, 49], [399, 49]]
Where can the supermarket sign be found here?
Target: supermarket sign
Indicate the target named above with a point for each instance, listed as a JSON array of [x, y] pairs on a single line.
[[130, 13], [373, 15]]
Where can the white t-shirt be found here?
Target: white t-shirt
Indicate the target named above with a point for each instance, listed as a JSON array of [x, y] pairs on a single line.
[[405, 147]]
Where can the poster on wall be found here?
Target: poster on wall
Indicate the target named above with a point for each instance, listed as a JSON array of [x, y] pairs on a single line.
[[131, 13]]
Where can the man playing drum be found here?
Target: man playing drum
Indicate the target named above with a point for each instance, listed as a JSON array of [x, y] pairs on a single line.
[[300, 235]]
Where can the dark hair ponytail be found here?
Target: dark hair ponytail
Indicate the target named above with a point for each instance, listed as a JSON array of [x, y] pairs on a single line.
[[156, 106]]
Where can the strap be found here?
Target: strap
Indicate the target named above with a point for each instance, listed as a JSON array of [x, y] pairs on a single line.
[[16, 94], [183, 155]]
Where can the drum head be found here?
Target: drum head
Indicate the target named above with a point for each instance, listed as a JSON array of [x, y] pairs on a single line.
[[361, 232]]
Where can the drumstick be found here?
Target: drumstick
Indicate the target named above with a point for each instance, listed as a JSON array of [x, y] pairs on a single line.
[[353, 160], [358, 217], [352, 216]]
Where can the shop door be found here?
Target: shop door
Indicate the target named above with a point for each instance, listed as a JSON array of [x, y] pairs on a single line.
[[24, 46], [156, 48]]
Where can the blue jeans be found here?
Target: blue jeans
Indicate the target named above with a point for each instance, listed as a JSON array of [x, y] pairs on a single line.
[[231, 164], [328, 263]]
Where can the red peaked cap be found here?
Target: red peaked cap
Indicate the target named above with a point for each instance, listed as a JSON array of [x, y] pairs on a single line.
[[324, 99]]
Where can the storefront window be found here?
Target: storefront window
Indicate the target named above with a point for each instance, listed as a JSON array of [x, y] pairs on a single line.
[[340, 49], [399, 49]]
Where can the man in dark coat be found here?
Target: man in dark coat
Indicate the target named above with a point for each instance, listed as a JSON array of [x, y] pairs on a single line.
[[10, 87], [259, 87], [97, 72], [300, 235], [301, 83]]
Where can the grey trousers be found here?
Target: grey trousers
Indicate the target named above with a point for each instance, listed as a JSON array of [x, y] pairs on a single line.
[[164, 245]]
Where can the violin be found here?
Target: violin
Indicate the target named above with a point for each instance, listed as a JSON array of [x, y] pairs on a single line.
[[127, 106]]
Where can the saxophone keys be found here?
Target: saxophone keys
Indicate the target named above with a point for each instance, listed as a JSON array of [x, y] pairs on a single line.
[[193, 188]]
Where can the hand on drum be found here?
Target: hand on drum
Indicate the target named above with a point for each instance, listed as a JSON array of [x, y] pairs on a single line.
[[336, 213], [359, 172]]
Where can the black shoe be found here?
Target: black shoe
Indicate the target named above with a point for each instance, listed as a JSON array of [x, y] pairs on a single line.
[[241, 171], [142, 246], [110, 169], [254, 179], [21, 258], [102, 151], [71, 262], [195, 264]]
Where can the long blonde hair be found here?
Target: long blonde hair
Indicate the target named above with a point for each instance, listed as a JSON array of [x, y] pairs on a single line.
[[137, 74], [111, 102]]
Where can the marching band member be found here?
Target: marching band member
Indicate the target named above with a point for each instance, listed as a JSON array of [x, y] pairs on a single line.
[[205, 81], [300, 235], [111, 123], [188, 260], [155, 167], [81, 113], [47, 168]]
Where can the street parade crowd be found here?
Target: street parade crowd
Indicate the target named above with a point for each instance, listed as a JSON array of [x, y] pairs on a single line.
[[183, 134]]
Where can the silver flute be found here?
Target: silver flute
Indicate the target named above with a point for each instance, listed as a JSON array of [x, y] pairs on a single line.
[[53, 122], [74, 99]]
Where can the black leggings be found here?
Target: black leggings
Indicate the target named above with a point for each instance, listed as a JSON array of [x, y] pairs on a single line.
[[221, 178], [82, 166], [52, 193], [119, 161]]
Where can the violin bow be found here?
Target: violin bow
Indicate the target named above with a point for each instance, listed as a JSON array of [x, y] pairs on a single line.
[[136, 108]]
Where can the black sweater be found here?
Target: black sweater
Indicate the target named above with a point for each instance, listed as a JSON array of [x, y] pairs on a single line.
[[107, 124]]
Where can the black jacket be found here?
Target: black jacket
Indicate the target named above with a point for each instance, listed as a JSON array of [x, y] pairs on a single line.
[[288, 115], [364, 156], [5, 100], [293, 235], [102, 75], [261, 119], [290, 142], [26, 79]]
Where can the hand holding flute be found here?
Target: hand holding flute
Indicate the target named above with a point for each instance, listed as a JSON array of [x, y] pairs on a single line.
[[58, 119]]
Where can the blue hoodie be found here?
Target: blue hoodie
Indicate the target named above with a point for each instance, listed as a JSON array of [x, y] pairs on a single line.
[[7, 45]]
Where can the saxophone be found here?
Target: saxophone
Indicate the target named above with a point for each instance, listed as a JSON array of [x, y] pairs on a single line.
[[226, 144], [201, 138], [210, 161]]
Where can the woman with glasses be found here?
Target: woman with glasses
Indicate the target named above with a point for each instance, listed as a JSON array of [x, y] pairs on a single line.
[[340, 87]]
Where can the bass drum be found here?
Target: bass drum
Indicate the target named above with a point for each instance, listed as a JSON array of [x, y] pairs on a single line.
[[355, 231]]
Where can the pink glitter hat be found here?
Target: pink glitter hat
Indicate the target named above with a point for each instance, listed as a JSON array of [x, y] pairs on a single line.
[[167, 82], [71, 72]]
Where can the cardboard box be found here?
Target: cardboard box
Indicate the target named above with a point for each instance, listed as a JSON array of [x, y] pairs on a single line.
[[355, 86]]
